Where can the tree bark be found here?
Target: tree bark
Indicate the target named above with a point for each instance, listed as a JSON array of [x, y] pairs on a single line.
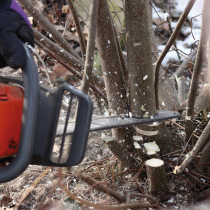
[[156, 176], [120, 153], [197, 70], [204, 162], [141, 82], [87, 76], [112, 71]]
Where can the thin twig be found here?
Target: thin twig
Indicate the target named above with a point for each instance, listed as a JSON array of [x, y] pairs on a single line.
[[87, 76], [205, 29], [110, 207], [200, 144], [168, 46], [31, 9], [79, 31], [183, 128], [184, 64], [120, 198], [31, 188], [43, 64], [71, 70]]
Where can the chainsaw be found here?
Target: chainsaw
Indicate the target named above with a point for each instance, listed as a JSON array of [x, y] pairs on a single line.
[[30, 122]]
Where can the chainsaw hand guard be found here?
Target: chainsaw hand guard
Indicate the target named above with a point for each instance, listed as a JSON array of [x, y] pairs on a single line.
[[48, 117]]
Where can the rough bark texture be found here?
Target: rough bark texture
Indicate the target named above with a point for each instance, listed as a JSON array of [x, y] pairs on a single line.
[[122, 155], [156, 176], [112, 69], [141, 83], [204, 162], [197, 70]]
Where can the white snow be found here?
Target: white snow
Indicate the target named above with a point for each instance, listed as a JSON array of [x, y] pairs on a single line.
[[191, 39], [145, 77]]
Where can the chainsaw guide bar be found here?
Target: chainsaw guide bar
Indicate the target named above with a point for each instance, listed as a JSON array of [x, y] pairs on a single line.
[[102, 123]]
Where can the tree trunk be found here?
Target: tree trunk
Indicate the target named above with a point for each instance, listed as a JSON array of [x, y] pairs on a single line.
[[141, 77], [197, 70], [141, 81], [204, 163], [112, 70], [156, 176]]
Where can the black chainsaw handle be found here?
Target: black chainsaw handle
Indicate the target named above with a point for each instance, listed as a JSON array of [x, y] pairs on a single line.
[[29, 121]]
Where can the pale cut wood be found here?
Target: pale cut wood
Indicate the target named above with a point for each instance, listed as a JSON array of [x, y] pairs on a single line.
[[156, 176], [152, 149]]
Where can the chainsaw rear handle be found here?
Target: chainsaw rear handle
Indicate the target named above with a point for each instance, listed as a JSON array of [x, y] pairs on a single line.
[[29, 122]]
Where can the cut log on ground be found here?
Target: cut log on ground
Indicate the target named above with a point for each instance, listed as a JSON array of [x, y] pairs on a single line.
[[156, 177]]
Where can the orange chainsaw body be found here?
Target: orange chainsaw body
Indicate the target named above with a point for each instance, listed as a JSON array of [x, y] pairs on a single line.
[[11, 106]]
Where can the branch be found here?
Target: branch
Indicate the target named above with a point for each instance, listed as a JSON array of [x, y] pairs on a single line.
[[33, 185], [79, 31], [58, 51], [184, 64], [201, 143], [197, 69], [168, 46], [65, 56], [110, 207], [102, 188], [87, 76], [71, 70], [28, 6]]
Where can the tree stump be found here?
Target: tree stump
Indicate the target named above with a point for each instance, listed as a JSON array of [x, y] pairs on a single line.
[[156, 177]]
